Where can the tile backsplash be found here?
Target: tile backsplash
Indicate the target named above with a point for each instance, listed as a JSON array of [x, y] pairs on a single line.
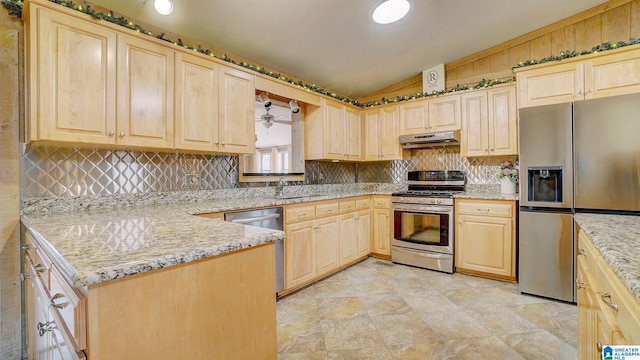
[[60, 171]]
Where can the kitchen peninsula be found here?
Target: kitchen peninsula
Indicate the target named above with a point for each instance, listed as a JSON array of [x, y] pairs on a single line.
[[153, 282]]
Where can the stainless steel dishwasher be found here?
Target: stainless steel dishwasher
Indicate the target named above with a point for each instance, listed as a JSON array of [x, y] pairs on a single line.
[[270, 218]]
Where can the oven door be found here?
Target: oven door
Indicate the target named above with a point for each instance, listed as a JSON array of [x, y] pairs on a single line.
[[423, 227]]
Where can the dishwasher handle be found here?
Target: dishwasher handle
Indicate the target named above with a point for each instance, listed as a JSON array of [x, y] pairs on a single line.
[[256, 219]]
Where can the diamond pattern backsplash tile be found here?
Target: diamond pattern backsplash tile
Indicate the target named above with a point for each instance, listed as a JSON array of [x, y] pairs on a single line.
[[479, 170], [59, 171]]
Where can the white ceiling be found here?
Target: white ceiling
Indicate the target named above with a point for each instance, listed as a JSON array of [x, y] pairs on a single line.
[[334, 43]]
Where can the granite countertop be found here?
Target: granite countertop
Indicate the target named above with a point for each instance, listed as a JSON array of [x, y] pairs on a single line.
[[93, 239], [95, 246], [617, 237], [485, 192]]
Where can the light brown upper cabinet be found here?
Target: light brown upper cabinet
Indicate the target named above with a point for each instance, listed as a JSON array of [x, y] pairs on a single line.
[[426, 116], [64, 52], [145, 93], [489, 122], [444, 113], [236, 115], [196, 103], [381, 134], [414, 117], [333, 131], [615, 72], [98, 84], [214, 106]]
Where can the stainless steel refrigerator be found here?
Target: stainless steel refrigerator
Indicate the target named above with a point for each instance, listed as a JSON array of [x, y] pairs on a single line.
[[582, 156]]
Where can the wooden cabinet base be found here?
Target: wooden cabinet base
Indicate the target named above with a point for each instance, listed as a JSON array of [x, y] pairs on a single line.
[[381, 256], [511, 279], [218, 308]]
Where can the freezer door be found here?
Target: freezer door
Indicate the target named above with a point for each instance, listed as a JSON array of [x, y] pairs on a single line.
[[607, 153], [546, 254], [546, 166]]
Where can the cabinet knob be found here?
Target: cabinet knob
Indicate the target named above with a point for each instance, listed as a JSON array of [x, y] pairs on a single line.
[[483, 210], [491, 149], [217, 142], [123, 134], [589, 91], [580, 284], [43, 328], [599, 347], [39, 268], [26, 247], [579, 92], [224, 143], [58, 304], [581, 252], [112, 133], [604, 298]]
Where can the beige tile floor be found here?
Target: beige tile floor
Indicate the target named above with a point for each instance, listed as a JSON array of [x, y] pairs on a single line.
[[380, 310]]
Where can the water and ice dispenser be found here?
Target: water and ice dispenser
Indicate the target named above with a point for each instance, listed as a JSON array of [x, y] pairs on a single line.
[[544, 184]]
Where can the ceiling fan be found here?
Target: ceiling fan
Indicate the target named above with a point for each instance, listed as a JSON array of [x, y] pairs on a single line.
[[268, 120]]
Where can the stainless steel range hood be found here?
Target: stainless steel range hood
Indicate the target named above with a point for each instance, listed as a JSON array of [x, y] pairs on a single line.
[[421, 141]]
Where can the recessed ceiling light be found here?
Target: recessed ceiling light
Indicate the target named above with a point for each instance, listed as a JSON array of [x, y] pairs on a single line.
[[390, 11], [163, 7]]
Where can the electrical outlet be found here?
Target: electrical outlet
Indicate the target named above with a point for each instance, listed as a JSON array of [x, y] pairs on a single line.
[[192, 179]]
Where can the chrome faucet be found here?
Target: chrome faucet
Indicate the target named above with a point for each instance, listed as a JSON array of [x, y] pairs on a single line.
[[281, 186]]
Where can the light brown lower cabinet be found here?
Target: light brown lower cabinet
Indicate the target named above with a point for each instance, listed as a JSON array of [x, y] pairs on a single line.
[[205, 309], [608, 314], [324, 237], [382, 227], [485, 238]]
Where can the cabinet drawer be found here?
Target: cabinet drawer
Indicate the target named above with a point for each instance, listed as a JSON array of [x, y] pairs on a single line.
[[382, 202], [617, 303], [68, 304], [484, 208], [41, 263], [327, 210], [587, 252], [347, 206], [300, 214], [363, 204]]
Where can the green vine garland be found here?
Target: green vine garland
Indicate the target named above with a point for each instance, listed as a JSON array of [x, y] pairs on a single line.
[[15, 9]]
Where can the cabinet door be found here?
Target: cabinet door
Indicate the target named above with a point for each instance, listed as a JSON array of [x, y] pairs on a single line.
[[372, 135], [327, 237], [475, 124], [196, 103], [66, 52], [236, 111], [389, 131], [587, 330], [414, 117], [37, 317], [559, 83], [348, 238], [334, 136], [612, 74], [299, 253], [444, 113], [363, 230], [353, 140], [145, 93], [503, 132], [381, 231], [484, 244]]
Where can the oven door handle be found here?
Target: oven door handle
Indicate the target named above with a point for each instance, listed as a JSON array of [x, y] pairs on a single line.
[[426, 210]]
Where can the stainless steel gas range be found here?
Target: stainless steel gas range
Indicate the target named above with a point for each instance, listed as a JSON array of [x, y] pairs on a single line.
[[423, 226]]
